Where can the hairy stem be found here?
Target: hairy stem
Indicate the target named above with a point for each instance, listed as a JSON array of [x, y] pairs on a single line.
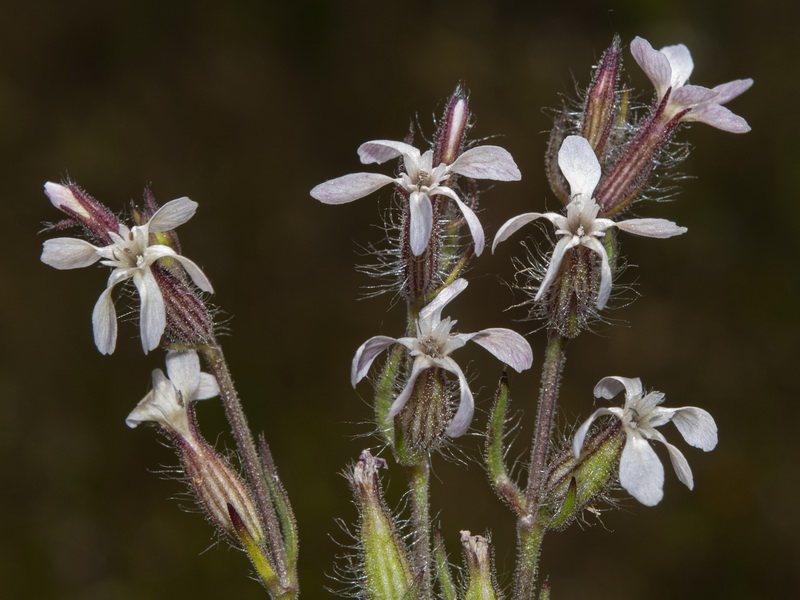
[[419, 485]]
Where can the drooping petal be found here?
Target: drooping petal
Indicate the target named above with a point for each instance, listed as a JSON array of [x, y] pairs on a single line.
[[681, 63], [604, 293], [608, 387], [466, 406], [420, 222], [564, 244], [697, 427], [640, 471], [104, 317], [487, 162], [512, 226], [420, 364], [152, 314], [349, 187], [172, 214], [681, 466], [654, 64], [719, 117], [197, 275], [506, 345], [579, 165], [69, 253], [475, 227], [379, 151], [62, 197], [432, 312], [367, 353], [580, 435], [654, 228]]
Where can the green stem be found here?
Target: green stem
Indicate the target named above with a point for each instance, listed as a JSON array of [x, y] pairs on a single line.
[[529, 539], [419, 485]]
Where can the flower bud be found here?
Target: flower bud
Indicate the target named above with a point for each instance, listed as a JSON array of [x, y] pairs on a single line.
[[600, 107], [84, 210], [385, 572], [450, 136], [478, 556], [421, 424]]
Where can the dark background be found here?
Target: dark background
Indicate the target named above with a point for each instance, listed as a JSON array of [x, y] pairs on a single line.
[[244, 106]]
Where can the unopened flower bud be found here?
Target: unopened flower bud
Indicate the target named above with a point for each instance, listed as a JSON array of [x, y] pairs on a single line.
[[451, 134], [478, 556], [96, 219], [601, 106], [386, 573], [422, 422]]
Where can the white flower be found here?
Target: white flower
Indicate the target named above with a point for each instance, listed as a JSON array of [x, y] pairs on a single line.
[[670, 68], [421, 180], [432, 348], [167, 402], [131, 255], [640, 470], [581, 227]]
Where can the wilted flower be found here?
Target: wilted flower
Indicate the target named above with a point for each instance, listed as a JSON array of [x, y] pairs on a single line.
[[422, 181], [432, 348], [581, 227], [131, 254], [640, 470], [669, 70]]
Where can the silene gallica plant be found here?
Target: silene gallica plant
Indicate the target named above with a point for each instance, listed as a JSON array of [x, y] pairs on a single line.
[[605, 154]]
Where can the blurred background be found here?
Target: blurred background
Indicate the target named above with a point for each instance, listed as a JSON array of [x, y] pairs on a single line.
[[244, 107]]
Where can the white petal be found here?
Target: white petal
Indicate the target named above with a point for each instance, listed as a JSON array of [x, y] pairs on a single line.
[[654, 64], [69, 253], [697, 427], [152, 315], [379, 151], [506, 345], [183, 369], [420, 222], [365, 354], [564, 244], [580, 435], [62, 197], [680, 61], [475, 227], [172, 214], [432, 312], [487, 162], [606, 277], [207, 387], [579, 165], [608, 387], [681, 466], [195, 273], [655, 228], [640, 471], [719, 117], [104, 322], [349, 187], [420, 364], [512, 226], [466, 406]]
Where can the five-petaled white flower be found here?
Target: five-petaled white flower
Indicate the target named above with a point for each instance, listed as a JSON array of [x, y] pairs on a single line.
[[640, 470], [421, 180], [670, 68], [432, 348], [131, 255], [166, 404], [581, 227]]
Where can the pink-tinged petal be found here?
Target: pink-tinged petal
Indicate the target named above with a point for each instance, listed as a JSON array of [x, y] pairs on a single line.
[[487, 162], [69, 253], [512, 226], [692, 95], [608, 387], [681, 466], [728, 91], [420, 364], [507, 346], [432, 311], [654, 64], [579, 165], [172, 214], [564, 244], [104, 322], [183, 369], [152, 314], [606, 277], [349, 187], [697, 427], [681, 63], [367, 353], [475, 227], [580, 435], [640, 471], [420, 222], [654, 228], [62, 197], [379, 151], [466, 406], [719, 117]]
